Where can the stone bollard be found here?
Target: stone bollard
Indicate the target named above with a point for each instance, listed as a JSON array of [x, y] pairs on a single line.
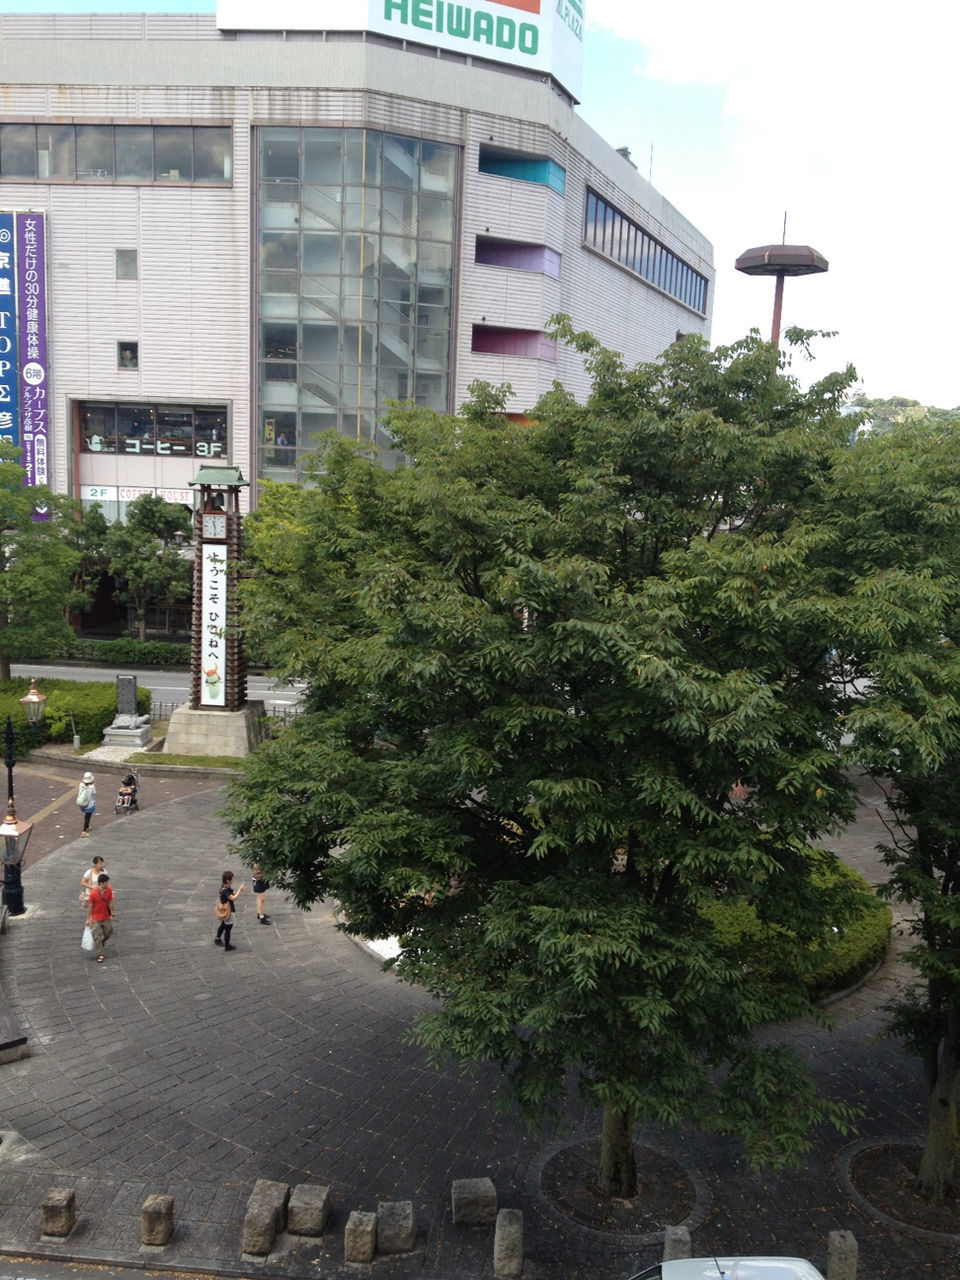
[[266, 1216], [308, 1210], [360, 1237], [59, 1211], [508, 1243], [842, 1254], [676, 1243], [474, 1202], [396, 1227], [156, 1220]]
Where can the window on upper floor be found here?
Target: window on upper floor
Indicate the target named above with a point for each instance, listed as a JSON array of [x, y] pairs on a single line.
[[616, 236], [155, 430], [116, 153]]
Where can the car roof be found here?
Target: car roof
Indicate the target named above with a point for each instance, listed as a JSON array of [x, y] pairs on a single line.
[[739, 1269]]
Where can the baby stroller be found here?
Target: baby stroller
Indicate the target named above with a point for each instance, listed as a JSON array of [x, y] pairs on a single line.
[[127, 795]]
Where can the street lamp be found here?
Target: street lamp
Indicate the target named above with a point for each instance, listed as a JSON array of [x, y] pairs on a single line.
[[33, 702], [14, 834]]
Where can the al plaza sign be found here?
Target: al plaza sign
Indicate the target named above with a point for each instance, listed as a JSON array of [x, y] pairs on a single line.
[[543, 35]]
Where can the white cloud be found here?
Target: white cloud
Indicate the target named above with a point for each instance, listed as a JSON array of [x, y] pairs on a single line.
[[843, 115]]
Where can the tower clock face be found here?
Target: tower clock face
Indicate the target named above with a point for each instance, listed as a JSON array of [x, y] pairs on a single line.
[[214, 526]]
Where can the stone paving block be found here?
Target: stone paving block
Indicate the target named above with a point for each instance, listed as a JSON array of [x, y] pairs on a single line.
[[474, 1202], [266, 1216], [308, 1210], [59, 1211], [156, 1219], [360, 1237], [508, 1243], [396, 1226]]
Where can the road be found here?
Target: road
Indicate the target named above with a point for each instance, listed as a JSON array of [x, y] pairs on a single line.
[[166, 685]]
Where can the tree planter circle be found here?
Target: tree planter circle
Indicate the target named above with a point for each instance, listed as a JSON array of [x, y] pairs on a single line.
[[564, 1180], [878, 1173]]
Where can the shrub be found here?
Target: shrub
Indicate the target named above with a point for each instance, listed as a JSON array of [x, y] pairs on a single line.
[[846, 957], [126, 651], [93, 705]]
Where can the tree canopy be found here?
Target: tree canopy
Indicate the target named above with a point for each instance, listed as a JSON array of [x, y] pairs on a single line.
[[894, 503], [38, 559], [897, 411], [143, 553], [566, 689]]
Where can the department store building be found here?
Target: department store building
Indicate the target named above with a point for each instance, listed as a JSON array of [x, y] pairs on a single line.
[[223, 235]]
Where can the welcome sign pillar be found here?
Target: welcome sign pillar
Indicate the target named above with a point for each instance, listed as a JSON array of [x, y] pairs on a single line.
[[218, 720]]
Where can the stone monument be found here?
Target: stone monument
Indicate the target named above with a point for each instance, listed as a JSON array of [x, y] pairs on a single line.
[[128, 728], [218, 720]]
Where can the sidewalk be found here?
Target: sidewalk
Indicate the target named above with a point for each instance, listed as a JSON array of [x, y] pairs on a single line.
[[179, 1069]]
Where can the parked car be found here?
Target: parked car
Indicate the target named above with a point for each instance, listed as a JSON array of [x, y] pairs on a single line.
[[731, 1269]]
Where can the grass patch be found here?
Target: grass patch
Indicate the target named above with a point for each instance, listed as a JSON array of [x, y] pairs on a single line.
[[201, 762]]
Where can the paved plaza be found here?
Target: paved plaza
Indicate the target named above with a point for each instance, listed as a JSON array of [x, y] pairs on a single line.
[[176, 1068]]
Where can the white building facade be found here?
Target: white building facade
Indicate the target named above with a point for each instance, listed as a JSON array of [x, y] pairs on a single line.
[[250, 237]]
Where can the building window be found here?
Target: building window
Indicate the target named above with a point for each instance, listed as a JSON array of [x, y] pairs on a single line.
[[126, 260], [354, 284], [613, 234], [128, 355], [116, 153], [155, 430]]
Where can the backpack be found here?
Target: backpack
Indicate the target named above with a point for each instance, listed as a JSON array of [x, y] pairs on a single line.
[[83, 796]]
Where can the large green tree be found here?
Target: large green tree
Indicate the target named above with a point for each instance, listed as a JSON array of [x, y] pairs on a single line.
[[538, 660], [37, 559], [87, 536], [895, 502], [144, 554]]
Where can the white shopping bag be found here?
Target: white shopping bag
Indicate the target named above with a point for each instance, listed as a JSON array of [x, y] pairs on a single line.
[[87, 940]]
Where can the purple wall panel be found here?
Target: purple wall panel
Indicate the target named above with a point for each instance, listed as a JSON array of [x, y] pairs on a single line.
[[519, 257], [513, 342]]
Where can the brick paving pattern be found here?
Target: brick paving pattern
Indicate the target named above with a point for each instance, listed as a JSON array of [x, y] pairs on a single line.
[[175, 1068]]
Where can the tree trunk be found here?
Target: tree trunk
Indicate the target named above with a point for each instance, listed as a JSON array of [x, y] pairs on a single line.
[[940, 1149], [142, 627], [618, 1162], [5, 666]]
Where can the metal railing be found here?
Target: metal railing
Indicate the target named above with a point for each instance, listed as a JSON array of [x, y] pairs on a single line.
[[281, 713]]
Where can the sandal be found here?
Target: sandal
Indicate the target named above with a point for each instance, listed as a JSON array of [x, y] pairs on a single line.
[[99, 959]]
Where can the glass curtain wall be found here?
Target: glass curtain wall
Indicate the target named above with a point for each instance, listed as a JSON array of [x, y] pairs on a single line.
[[354, 285]]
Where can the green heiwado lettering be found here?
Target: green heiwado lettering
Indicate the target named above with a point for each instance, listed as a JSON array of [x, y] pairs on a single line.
[[460, 21]]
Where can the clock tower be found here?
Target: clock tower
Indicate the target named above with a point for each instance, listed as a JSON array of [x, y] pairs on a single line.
[[218, 720]]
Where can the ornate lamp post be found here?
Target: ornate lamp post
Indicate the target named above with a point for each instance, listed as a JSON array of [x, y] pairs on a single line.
[[14, 834], [33, 702]]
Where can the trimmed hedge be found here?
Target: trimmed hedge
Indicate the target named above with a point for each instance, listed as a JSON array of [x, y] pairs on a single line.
[[93, 705], [126, 651], [848, 956]]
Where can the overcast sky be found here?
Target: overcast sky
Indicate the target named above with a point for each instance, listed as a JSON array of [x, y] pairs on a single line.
[[841, 115]]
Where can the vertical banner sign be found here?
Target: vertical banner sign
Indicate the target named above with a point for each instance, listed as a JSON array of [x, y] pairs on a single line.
[[214, 632], [9, 399], [32, 315]]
